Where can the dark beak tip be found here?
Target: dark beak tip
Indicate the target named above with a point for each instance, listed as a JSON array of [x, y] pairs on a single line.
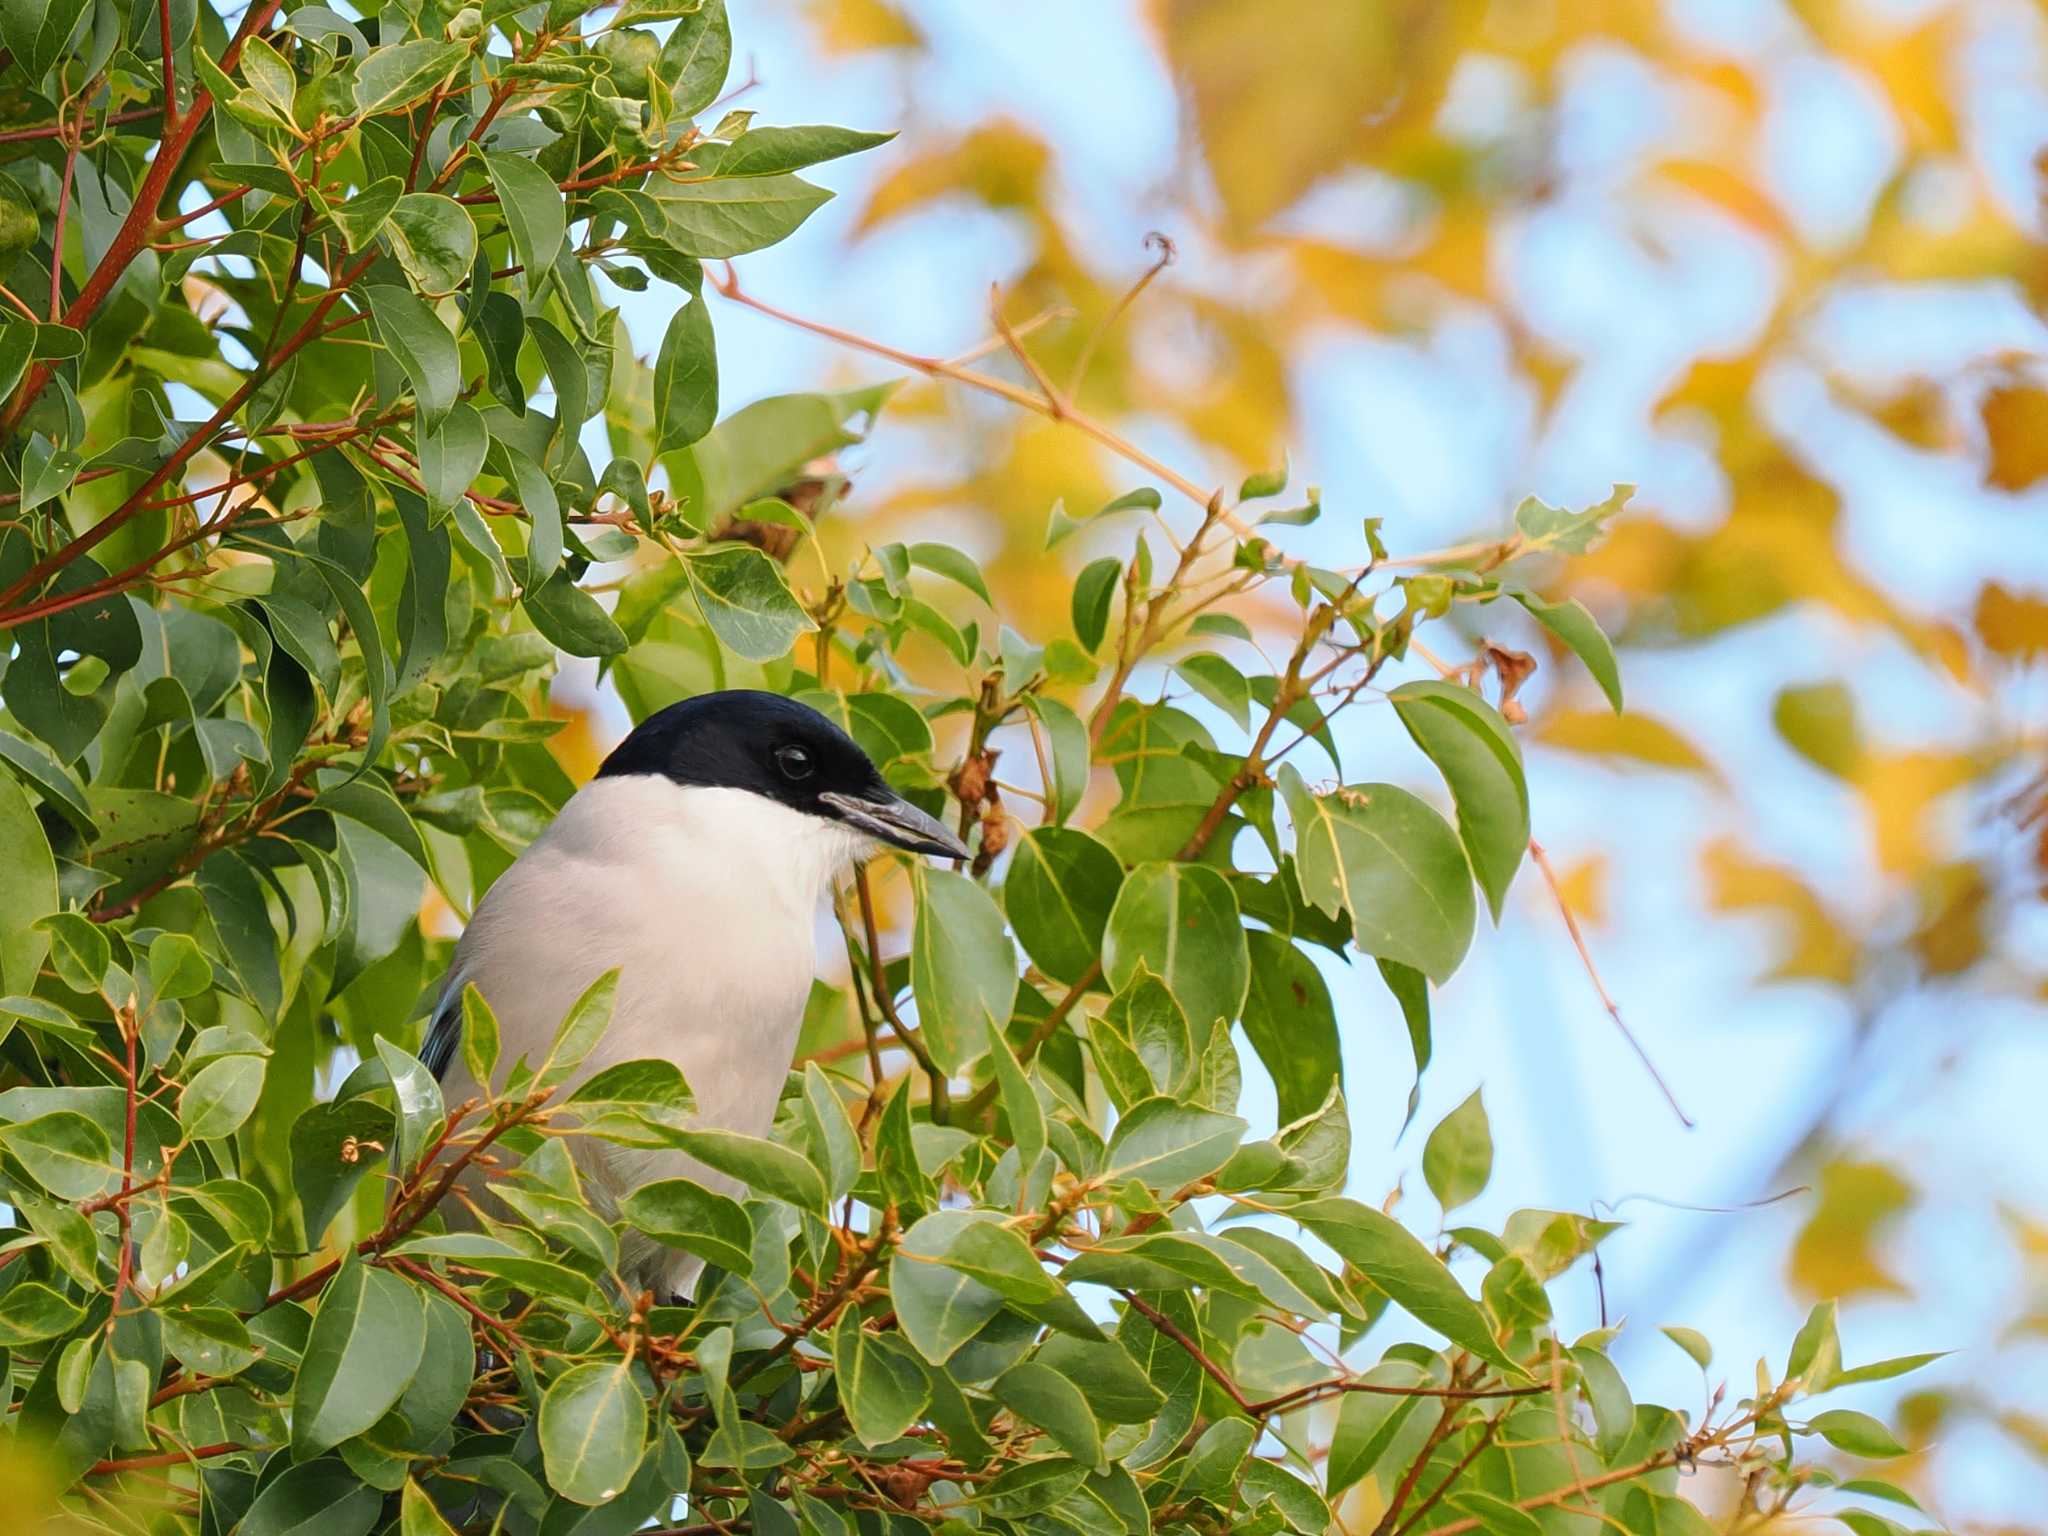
[[900, 824]]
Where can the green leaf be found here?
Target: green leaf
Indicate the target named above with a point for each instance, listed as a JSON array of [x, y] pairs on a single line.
[[532, 206], [417, 1514], [1367, 1422], [479, 1036], [220, 1096], [1042, 1396], [578, 1033], [451, 455], [367, 1338], [1212, 1466], [1164, 1144], [944, 560], [1116, 1386], [1180, 921], [434, 240], [316, 1498], [695, 57], [963, 970], [421, 1112], [1692, 1341], [939, 1308], [1552, 528], [1094, 591], [401, 73], [880, 1382], [53, 781], [1496, 1516], [1295, 1500], [1457, 1160], [1857, 1433], [1392, 1258], [593, 1429], [833, 1144], [40, 32], [1482, 764], [1020, 1106], [63, 1151], [1060, 890], [1030, 1487], [719, 219], [767, 1167], [1614, 1411], [28, 891], [1394, 864], [1220, 683], [686, 377], [682, 1213], [211, 1340], [330, 1154], [1068, 747], [420, 344], [1291, 1023], [746, 600], [572, 618], [1885, 1370], [1573, 623], [1816, 1354], [31, 1312], [771, 151], [360, 216]]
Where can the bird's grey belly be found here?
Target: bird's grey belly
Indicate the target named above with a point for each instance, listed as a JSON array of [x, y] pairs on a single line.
[[730, 1024]]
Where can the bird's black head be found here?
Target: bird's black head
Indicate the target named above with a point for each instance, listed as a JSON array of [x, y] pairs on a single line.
[[775, 747]]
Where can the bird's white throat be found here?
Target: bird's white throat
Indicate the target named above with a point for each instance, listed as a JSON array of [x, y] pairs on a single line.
[[637, 820]]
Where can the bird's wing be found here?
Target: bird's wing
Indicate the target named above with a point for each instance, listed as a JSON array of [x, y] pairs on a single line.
[[444, 1029]]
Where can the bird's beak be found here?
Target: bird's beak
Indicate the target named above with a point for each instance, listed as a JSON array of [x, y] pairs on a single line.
[[897, 822]]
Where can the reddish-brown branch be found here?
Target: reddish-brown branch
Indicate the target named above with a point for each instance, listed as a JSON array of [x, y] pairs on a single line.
[[163, 16], [1429, 1502], [134, 233], [57, 228], [57, 130], [169, 1458], [311, 330], [125, 1267], [456, 1294], [1178, 1334]]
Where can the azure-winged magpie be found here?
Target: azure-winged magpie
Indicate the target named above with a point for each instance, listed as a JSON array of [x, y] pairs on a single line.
[[694, 862]]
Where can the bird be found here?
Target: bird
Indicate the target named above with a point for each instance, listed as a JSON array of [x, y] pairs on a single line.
[[694, 862]]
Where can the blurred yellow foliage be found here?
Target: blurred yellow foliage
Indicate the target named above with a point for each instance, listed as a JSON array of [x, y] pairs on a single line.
[[1836, 1252], [1812, 942]]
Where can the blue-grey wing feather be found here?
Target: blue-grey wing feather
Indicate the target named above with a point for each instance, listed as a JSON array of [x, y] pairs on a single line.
[[444, 1029]]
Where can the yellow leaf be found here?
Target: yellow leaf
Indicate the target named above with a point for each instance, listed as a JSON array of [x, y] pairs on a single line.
[[2011, 624], [1628, 738], [1001, 164], [1901, 794], [854, 26], [1835, 1255], [1282, 101], [1583, 886], [1812, 945], [2015, 420], [1950, 936]]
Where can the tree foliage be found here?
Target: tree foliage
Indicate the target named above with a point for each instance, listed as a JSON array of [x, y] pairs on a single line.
[[305, 503]]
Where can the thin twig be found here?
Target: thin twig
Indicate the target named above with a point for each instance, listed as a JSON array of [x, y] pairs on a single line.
[[1155, 241], [1571, 923]]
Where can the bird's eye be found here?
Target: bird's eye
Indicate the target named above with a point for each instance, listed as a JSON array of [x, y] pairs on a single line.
[[795, 762]]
